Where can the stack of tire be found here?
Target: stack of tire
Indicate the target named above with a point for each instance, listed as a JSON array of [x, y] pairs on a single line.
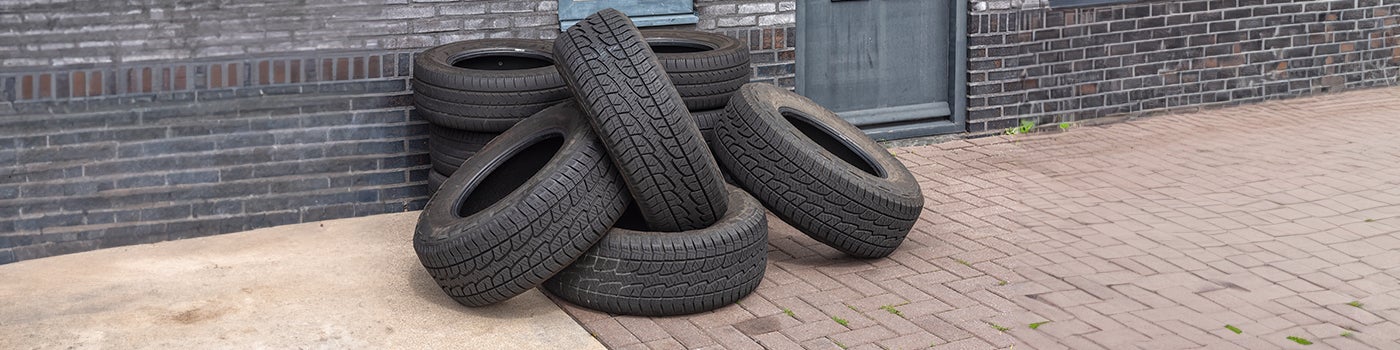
[[614, 200], [471, 91]]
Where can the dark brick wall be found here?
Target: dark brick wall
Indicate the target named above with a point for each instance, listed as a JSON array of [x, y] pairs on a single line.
[[1052, 65], [172, 120], [92, 173], [66, 33]]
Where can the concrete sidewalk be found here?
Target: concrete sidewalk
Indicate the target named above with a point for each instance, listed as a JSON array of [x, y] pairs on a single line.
[[352, 283], [1280, 219]]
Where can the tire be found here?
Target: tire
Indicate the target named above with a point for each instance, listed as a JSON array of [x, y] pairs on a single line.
[[435, 180], [553, 95], [706, 67], [708, 77], [489, 65], [636, 272], [706, 121], [709, 96], [516, 112], [687, 51], [645, 126], [529, 204], [448, 148], [816, 171], [461, 122]]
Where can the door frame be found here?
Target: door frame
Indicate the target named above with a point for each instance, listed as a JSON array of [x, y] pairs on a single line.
[[957, 121]]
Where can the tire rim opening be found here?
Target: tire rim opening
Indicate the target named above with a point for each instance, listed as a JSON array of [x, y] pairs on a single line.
[[507, 175], [502, 61], [834, 145], [677, 46]]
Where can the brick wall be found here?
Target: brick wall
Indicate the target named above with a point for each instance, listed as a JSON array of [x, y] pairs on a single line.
[[1027, 62], [124, 124]]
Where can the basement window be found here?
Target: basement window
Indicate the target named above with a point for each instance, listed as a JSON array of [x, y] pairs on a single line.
[[645, 13], [1087, 3]]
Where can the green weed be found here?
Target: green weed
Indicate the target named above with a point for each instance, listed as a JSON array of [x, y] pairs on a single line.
[[998, 327], [1234, 329], [1037, 324], [1356, 304], [1026, 127], [891, 309], [840, 321], [1299, 340]]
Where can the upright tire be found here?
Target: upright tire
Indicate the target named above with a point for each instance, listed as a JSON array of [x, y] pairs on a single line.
[[636, 272], [646, 128], [816, 171], [486, 85], [528, 205], [706, 67]]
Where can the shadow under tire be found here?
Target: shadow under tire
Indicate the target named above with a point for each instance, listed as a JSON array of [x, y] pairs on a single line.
[[636, 272], [524, 208], [816, 171], [643, 122]]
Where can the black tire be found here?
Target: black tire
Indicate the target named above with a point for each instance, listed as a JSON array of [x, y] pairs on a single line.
[[644, 124], [435, 180], [554, 95], [489, 65], [706, 67], [464, 123], [706, 121], [515, 112], [709, 96], [523, 209], [637, 272], [816, 171], [686, 51], [448, 148], [707, 77]]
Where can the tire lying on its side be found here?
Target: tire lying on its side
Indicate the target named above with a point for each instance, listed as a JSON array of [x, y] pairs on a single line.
[[448, 148], [648, 132], [636, 272], [486, 85], [705, 67], [816, 171], [490, 65], [525, 207], [706, 120], [435, 180], [692, 57]]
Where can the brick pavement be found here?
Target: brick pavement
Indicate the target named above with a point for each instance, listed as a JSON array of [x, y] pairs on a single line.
[[1151, 234]]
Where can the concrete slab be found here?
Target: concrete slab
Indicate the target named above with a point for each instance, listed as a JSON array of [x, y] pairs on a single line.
[[352, 283]]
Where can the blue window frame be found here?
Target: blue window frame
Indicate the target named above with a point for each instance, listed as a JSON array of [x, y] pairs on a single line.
[[1087, 3], [643, 12]]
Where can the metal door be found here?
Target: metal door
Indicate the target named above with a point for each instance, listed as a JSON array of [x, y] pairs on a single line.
[[893, 67]]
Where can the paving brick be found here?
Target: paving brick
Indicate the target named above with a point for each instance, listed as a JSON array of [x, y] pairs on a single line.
[[1151, 234]]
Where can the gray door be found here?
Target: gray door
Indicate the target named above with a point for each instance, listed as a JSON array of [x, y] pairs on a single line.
[[892, 67]]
